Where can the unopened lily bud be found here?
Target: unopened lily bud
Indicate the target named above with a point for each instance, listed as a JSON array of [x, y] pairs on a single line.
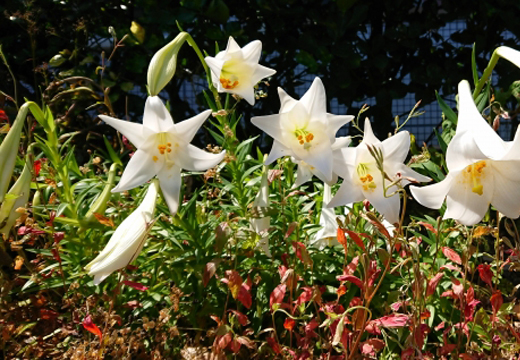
[[163, 64], [99, 206], [17, 197], [261, 224], [9, 149], [127, 241]]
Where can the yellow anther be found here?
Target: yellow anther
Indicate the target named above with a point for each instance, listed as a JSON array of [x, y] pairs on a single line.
[[155, 158], [475, 171], [478, 189], [229, 84], [169, 150], [169, 144]]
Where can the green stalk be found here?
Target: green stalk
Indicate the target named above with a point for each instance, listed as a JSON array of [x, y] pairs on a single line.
[[486, 75]]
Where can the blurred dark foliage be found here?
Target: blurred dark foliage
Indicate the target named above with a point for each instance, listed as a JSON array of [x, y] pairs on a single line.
[[361, 49]]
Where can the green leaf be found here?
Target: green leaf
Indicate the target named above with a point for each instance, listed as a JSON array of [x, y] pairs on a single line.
[[474, 65], [111, 152], [448, 112]]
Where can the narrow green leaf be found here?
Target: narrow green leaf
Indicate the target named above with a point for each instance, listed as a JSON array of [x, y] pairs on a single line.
[[448, 112], [474, 65], [111, 152]]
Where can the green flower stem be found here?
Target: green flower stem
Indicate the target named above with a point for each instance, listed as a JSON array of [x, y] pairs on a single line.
[[486, 74]]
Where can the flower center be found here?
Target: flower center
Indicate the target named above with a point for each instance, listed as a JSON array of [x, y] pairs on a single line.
[[476, 172], [165, 149], [304, 138], [367, 180], [229, 82]]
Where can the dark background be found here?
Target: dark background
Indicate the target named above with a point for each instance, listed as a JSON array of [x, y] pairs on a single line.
[[388, 54]]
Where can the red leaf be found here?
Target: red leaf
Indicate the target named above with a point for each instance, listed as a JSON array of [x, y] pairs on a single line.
[[355, 237], [47, 314], [341, 237], [302, 253], [407, 354], [305, 296], [3, 116], [428, 226], [496, 301], [394, 320], [273, 344], [235, 346], [224, 340], [246, 342], [432, 284], [277, 295], [351, 278], [135, 285], [56, 255], [342, 290], [486, 274], [290, 230], [37, 166], [289, 324], [244, 296], [58, 236], [242, 319], [209, 271], [452, 255], [89, 325], [458, 288]]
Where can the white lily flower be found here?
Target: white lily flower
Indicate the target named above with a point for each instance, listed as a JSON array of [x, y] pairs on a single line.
[[483, 169], [363, 180], [127, 241], [328, 234], [236, 70], [260, 225], [163, 149], [304, 130], [306, 171], [509, 54]]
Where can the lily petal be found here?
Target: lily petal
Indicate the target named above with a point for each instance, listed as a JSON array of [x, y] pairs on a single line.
[[465, 206], [303, 174], [196, 159], [132, 131], [156, 117], [270, 124], [277, 151], [287, 102], [509, 54], [432, 196], [139, 170], [387, 206], [336, 122], [171, 183], [397, 146], [251, 51], [315, 100], [188, 128], [347, 194]]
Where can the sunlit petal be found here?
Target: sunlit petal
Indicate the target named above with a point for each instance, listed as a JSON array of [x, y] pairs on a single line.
[[171, 183], [195, 159], [139, 170], [156, 117], [132, 131]]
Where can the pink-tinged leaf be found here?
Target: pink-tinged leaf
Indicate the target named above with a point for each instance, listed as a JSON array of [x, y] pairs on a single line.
[[486, 275], [89, 325], [353, 279], [309, 329], [396, 306], [449, 293], [244, 296], [450, 267], [209, 271], [273, 344], [371, 346], [351, 268], [242, 318], [420, 334], [342, 290], [355, 237], [452, 255], [496, 301], [301, 252], [273, 174], [224, 340], [458, 288], [432, 284], [394, 320], [246, 342], [289, 324], [290, 230], [277, 295], [56, 255], [234, 346], [448, 349], [375, 222], [463, 326], [428, 226], [305, 296], [341, 237], [136, 285]]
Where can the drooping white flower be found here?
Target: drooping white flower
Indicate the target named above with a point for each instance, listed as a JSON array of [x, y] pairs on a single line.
[[483, 169], [260, 225], [509, 54], [236, 70], [304, 130], [328, 234], [363, 180], [163, 149], [127, 241]]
